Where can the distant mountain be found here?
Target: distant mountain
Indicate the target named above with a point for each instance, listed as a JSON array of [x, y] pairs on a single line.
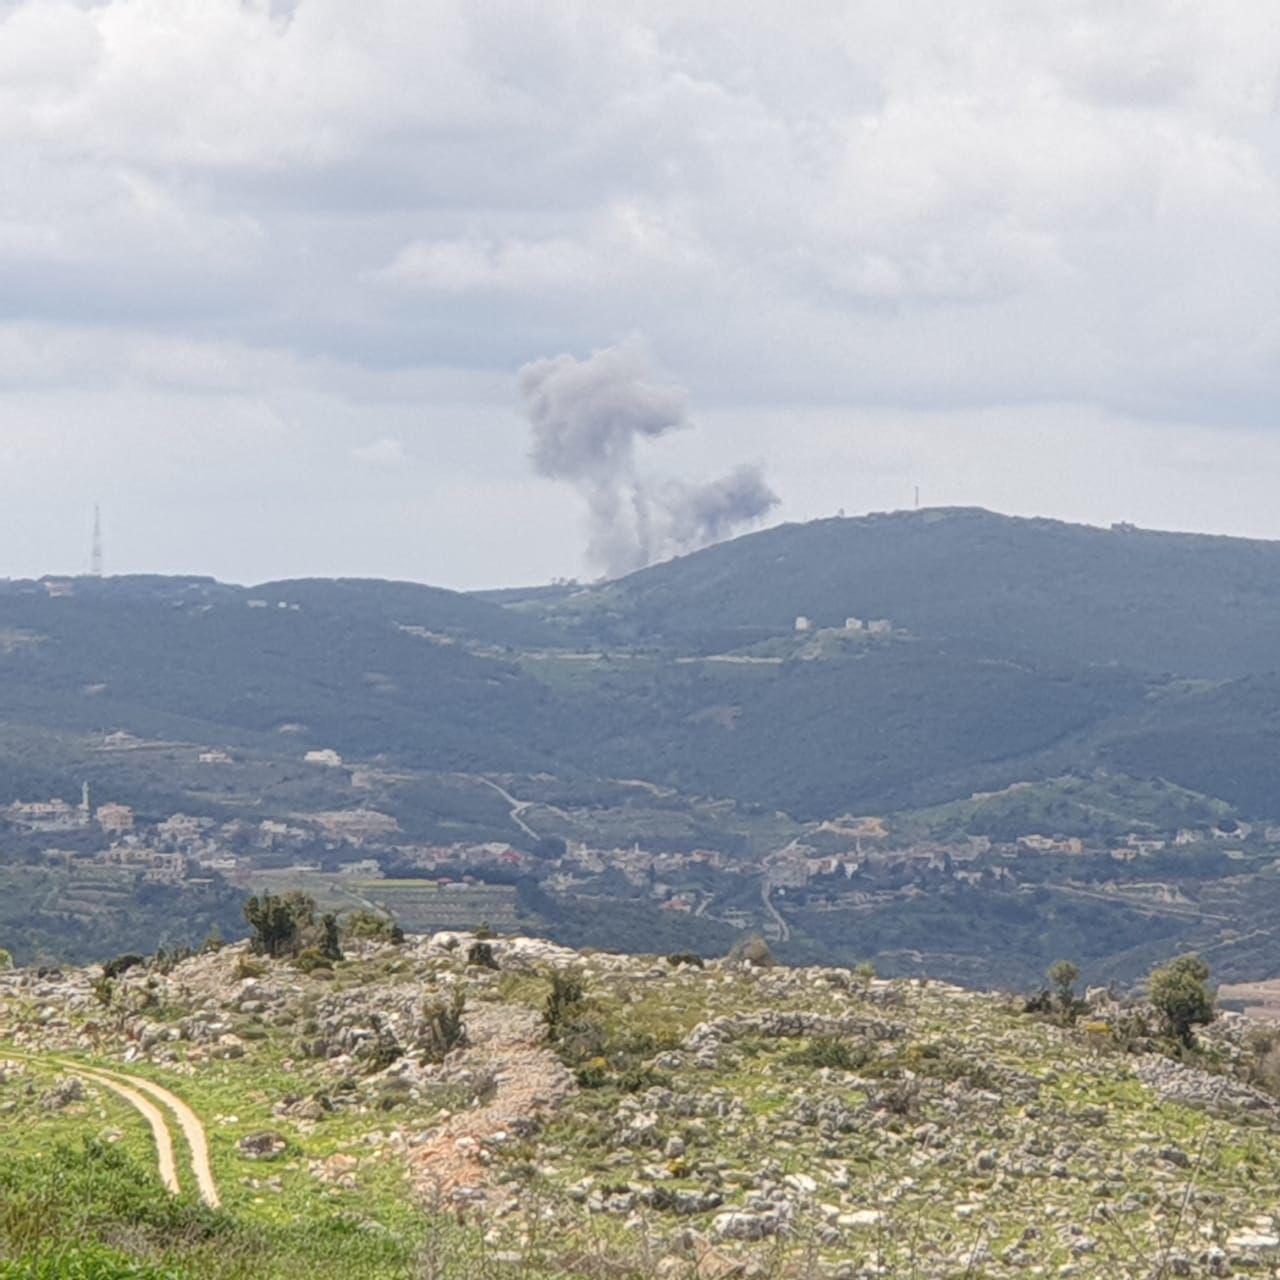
[[971, 582], [1014, 649]]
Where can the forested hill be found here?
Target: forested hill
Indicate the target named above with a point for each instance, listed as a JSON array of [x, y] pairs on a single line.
[[1015, 649], [976, 582]]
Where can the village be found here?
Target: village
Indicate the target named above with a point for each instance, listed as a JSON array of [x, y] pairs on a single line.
[[850, 863]]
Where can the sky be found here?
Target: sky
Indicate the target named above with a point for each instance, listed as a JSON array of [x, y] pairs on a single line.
[[273, 275]]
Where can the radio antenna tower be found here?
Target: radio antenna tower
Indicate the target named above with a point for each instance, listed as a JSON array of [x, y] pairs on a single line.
[[95, 556]]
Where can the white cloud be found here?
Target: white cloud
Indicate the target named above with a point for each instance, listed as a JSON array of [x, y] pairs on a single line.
[[894, 207], [387, 451]]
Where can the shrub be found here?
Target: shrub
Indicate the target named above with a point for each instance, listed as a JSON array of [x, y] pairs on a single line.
[[1041, 1002], [166, 959], [309, 959], [481, 954], [6, 960], [371, 926], [443, 1027], [1180, 994], [830, 1051], [121, 964], [1264, 1069], [275, 922], [564, 1004], [246, 968], [1063, 976], [329, 945], [287, 925], [753, 950], [684, 957]]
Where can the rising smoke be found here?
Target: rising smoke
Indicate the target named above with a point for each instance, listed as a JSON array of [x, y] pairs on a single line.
[[587, 416]]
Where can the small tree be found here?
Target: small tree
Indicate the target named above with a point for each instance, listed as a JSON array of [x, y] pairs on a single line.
[[1179, 992], [6, 960], [752, 950], [1063, 976], [274, 928], [283, 926], [564, 1004], [330, 946]]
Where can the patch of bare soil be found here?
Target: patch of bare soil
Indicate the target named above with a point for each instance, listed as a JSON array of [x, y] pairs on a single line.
[[530, 1083]]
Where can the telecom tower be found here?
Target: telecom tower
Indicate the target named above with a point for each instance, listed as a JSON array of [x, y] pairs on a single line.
[[95, 556]]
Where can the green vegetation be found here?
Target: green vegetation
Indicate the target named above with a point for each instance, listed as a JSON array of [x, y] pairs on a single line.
[[287, 926], [91, 1212], [1180, 993], [1063, 975]]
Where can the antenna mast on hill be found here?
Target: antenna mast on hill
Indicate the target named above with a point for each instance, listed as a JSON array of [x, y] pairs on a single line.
[[95, 555]]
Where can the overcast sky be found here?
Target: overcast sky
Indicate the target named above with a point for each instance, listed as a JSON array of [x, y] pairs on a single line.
[[269, 271]]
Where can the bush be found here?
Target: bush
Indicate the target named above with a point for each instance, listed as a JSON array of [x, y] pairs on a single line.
[[1063, 976], [287, 925], [830, 1051], [481, 954], [121, 964], [443, 1027], [310, 959], [371, 926], [684, 957], [753, 950], [564, 1004], [167, 959], [1180, 994], [276, 921]]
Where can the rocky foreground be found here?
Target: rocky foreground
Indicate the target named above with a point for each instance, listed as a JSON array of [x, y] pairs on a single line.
[[682, 1120]]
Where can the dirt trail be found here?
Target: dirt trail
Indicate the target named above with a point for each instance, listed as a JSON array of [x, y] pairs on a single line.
[[530, 1081], [188, 1122], [149, 1112]]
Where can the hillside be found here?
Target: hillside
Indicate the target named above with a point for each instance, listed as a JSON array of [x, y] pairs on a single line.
[[1015, 647], [1108, 687], [591, 1115], [972, 582]]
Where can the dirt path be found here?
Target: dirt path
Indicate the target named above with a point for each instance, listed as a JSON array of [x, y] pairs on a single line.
[[530, 1081], [188, 1122], [149, 1112], [143, 1095]]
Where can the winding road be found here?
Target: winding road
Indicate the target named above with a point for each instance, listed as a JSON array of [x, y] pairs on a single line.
[[517, 807]]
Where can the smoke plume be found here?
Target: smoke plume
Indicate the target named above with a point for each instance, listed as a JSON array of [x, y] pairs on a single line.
[[586, 417]]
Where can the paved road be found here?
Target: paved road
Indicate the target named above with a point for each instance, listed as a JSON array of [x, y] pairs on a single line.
[[784, 929], [517, 807]]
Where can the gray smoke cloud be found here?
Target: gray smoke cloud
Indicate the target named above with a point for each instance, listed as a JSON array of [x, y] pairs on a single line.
[[587, 416]]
